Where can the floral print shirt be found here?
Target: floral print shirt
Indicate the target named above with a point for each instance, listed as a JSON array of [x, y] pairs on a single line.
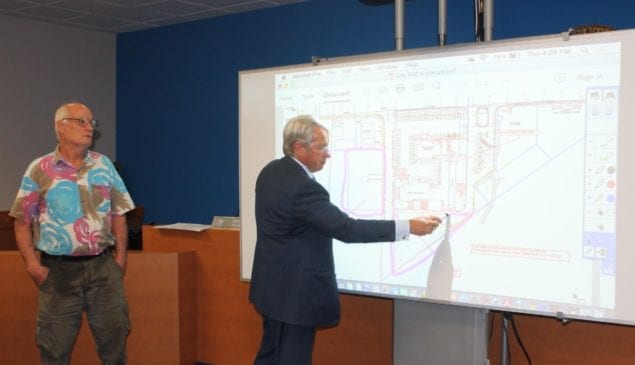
[[70, 209]]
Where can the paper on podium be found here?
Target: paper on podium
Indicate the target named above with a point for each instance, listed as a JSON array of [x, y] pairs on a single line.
[[185, 227]]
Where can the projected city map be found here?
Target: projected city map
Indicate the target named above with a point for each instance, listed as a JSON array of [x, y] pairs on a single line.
[[519, 148]]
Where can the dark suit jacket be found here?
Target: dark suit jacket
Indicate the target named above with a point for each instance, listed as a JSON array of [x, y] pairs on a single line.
[[293, 276]]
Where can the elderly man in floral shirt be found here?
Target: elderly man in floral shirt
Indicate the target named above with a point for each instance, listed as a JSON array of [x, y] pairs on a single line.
[[69, 218]]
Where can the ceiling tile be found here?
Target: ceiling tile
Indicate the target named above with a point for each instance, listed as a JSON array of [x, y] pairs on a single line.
[[176, 8], [101, 22], [131, 3], [39, 2], [49, 12], [190, 17], [10, 5], [88, 6], [137, 13], [117, 16], [222, 3]]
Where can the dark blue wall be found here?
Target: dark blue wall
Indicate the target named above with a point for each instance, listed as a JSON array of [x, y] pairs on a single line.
[[177, 86]]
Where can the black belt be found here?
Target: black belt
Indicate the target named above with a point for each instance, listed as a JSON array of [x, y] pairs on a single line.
[[76, 258]]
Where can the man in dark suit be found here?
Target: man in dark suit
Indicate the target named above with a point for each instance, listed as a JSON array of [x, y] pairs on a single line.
[[293, 282]]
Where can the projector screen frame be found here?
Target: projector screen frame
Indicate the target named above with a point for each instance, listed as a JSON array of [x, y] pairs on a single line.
[[256, 151]]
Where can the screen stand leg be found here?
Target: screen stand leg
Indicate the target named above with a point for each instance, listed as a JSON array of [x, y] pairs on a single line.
[[505, 340], [427, 333]]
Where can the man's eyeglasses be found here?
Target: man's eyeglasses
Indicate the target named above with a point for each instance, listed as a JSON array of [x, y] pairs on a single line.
[[83, 121], [323, 149]]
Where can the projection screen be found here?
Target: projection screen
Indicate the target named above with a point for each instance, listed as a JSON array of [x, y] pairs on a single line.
[[524, 144]]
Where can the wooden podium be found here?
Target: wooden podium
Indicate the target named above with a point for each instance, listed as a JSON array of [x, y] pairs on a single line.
[[230, 330], [160, 288]]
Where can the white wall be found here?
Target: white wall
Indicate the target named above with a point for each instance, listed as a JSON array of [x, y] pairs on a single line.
[[41, 66]]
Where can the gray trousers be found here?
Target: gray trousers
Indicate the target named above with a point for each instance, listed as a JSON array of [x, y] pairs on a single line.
[[92, 285]]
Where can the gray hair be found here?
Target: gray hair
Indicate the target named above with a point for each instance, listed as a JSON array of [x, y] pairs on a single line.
[[300, 128], [62, 112]]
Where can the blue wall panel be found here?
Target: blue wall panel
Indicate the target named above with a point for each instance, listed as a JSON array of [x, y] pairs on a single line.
[[177, 86]]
